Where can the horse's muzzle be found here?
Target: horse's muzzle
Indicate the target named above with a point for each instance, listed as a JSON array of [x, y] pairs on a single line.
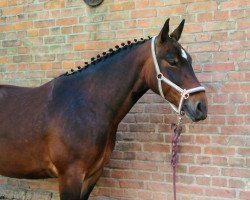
[[196, 109]]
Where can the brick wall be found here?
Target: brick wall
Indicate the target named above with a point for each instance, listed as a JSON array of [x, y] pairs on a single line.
[[39, 39]]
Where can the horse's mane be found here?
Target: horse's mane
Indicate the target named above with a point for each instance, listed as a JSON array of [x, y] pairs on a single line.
[[106, 54]]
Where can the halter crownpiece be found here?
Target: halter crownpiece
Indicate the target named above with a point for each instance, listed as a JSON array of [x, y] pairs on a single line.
[[160, 77]]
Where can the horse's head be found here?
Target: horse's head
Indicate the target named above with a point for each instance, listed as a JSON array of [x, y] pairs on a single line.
[[174, 78]]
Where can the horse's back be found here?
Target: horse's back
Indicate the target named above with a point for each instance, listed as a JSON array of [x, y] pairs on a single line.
[[17, 102]]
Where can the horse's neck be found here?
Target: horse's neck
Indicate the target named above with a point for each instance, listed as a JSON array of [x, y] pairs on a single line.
[[118, 84]]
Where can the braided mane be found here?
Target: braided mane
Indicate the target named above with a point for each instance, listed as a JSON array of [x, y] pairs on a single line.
[[106, 54]]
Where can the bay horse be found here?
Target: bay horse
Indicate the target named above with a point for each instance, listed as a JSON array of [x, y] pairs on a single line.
[[66, 128]]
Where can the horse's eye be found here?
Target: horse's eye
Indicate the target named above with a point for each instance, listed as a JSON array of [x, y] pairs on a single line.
[[172, 62], [171, 59]]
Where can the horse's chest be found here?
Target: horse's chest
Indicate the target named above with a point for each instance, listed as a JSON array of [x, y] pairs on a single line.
[[104, 154]]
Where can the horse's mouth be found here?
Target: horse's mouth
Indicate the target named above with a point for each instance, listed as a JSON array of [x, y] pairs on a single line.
[[195, 111]]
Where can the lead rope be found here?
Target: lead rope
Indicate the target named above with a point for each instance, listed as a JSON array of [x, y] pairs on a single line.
[[176, 132]]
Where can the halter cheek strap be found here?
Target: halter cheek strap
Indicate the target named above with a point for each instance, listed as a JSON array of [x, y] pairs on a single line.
[[161, 78]]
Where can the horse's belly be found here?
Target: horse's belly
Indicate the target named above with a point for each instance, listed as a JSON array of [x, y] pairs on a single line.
[[25, 161]]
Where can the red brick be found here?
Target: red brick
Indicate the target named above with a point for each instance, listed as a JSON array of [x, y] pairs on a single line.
[[78, 38], [237, 14], [220, 98], [209, 47], [22, 50], [193, 28], [235, 120], [141, 4], [189, 149], [22, 25], [204, 37], [156, 148], [244, 195], [231, 87], [203, 180], [233, 130], [202, 7], [44, 23], [66, 21], [122, 6], [222, 25], [220, 182], [244, 66], [219, 67], [204, 170], [202, 139], [244, 151], [129, 34], [43, 32], [204, 17], [231, 5], [218, 151], [54, 4], [171, 10], [157, 186], [190, 189], [13, 10], [237, 35], [3, 3], [117, 17], [221, 15], [226, 193], [140, 165], [227, 46], [3, 59], [203, 160], [79, 47], [131, 184], [219, 36], [236, 172], [143, 13], [77, 29], [236, 183], [222, 109], [217, 120], [32, 33], [144, 194]]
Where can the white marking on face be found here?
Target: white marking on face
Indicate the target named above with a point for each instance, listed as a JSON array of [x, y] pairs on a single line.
[[183, 54]]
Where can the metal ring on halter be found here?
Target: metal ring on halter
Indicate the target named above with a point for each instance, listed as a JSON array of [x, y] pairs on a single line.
[[182, 113], [159, 76], [186, 96]]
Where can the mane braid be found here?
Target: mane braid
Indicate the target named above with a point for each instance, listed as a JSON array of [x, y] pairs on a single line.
[[105, 55]]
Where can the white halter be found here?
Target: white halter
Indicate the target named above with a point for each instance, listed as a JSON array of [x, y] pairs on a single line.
[[160, 77]]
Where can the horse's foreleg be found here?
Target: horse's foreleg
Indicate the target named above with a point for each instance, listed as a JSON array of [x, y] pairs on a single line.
[[89, 184], [70, 184]]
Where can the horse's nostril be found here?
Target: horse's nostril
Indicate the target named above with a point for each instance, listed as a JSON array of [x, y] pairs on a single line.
[[201, 111], [199, 107]]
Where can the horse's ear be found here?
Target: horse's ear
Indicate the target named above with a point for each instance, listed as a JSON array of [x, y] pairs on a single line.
[[177, 32], [164, 32]]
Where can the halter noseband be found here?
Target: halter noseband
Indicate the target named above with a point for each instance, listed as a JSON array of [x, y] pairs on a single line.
[[160, 77]]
